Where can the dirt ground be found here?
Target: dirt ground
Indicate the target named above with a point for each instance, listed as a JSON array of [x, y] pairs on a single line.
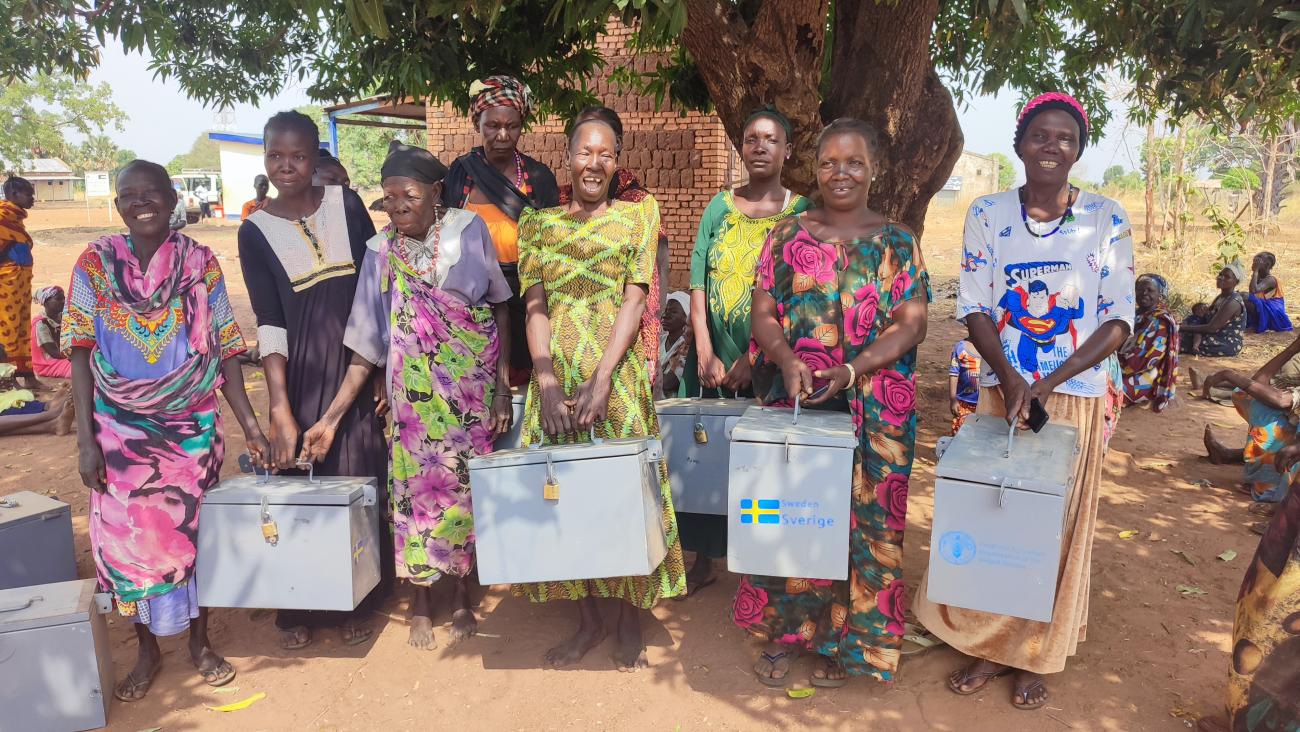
[[1154, 658]]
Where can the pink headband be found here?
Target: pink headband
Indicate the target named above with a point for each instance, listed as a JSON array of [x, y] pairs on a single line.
[[1055, 97]]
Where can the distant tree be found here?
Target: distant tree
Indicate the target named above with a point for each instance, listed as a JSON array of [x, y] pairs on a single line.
[[362, 149], [204, 154], [122, 158], [1112, 174], [97, 152], [38, 112], [1240, 179], [1006, 171]]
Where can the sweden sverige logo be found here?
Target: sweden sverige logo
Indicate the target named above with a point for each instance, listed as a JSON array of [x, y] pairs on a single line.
[[762, 511]]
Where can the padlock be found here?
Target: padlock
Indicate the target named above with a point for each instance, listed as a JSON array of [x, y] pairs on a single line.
[[551, 490], [270, 532], [701, 434]]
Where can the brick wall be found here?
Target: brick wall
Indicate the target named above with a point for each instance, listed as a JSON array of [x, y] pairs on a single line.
[[682, 160]]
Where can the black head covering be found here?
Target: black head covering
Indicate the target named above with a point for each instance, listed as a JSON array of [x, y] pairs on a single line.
[[416, 163], [771, 112]]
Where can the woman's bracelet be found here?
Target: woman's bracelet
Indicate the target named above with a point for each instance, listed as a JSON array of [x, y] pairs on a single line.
[[853, 376]]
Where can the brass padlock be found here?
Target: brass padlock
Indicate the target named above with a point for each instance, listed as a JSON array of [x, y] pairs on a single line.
[[701, 434], [270, 532], [551, 490]]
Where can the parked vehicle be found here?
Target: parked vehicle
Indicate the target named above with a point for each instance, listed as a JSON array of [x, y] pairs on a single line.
[[188, 182]]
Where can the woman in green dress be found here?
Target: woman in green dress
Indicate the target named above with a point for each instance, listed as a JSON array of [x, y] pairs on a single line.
[[584, 270], [839, 309], [732, 232]]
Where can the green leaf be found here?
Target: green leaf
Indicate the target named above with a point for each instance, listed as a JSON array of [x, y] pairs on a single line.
[[1183, 556], [794, 693], [1228, 555], [1189, 590]]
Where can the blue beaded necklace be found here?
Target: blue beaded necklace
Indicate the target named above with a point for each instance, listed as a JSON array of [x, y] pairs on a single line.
[[1067, 216]]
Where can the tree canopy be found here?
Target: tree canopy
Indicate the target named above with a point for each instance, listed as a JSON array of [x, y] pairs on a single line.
[[42, 110], [897, 63]]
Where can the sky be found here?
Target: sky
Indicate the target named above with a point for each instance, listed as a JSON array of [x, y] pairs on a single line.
[[163, 122]]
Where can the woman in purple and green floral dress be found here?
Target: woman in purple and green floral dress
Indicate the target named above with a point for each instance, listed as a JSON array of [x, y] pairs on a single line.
[[840, 304], [429, 309]]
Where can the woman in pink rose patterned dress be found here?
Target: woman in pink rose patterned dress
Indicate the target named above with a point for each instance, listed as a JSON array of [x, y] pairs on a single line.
[[841, 301]]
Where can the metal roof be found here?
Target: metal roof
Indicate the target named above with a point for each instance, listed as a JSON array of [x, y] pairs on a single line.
[[47, 166]]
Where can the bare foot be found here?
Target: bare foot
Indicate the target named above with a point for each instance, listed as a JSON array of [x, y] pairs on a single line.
[[629, 654], [1219, 453], [463, 625], [421, 634], [589, 635]]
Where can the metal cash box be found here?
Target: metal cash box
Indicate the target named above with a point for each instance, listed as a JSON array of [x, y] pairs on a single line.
[[568, 512], [288, 542], [56, 670], [789, 493], [35, 541], [999, 514], [697, 444]]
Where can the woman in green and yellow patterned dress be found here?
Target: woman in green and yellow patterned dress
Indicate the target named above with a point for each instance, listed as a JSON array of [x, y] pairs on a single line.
[[732, 232], [584, 270], [839, 309]]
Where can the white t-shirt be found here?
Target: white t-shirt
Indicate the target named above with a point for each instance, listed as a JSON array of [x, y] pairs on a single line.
[[1047, 295]]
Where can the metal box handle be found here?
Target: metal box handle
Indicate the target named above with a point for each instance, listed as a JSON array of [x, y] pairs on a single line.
[[311, 469], [9, 503], [796, 413], [30, 601], [103, 602]]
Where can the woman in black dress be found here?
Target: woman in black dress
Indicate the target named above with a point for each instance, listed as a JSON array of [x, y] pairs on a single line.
[[301, 254]]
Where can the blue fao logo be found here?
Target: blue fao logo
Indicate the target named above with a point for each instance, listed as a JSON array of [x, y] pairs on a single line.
[[957, 547]]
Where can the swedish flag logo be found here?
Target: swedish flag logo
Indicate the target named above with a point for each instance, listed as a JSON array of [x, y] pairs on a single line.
[[765, 511]]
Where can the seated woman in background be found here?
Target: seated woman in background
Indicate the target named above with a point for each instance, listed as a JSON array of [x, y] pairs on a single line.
[[1149, 358], [1215, 329], [1265, 305], [674, 345], [1269, 401], [47, 360]]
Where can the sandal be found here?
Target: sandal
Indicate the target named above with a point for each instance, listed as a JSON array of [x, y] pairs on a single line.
[[355, 635], [917, 640], [779, 661], [1265, 510], [825, 680], [295, 638], [1022, 693], [967, 674], [1259, 527], [132, 689], [220, 675]]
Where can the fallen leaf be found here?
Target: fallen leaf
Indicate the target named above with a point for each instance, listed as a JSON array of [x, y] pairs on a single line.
[[242, 704], [1129, 534], [151, 729], [1183, 555], [800, 693], [1188, 590], [226, 690], [1228, 555]]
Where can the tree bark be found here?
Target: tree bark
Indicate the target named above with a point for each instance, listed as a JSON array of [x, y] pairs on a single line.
[[776, 60], [883, 74]]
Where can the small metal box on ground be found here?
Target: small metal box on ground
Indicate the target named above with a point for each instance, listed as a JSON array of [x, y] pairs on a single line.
[[35, 541], [789, 492], [288, 542], [568, 512], [999, 512], [56, 671], [697, 444], [513, 438]]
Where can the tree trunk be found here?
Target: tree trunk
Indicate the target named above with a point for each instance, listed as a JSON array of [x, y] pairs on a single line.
[[1152, 175], [776, 60], [885, 75], [884, 48]]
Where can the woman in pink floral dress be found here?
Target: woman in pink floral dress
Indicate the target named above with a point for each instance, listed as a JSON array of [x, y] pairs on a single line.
[[841, 302]]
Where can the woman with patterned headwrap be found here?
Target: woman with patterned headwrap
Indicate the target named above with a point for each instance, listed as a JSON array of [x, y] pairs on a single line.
[[1149, 359], [47, 359], [498, 182], [16, 277]]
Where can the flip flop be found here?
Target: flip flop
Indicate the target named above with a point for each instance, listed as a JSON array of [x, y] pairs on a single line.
[[132, 684], [218, 676], [355, 635], [1262, 509], [691, 591], [1023, 692], [301, 635], [825, 681], [772, 660], [918, 640], [968, 675]]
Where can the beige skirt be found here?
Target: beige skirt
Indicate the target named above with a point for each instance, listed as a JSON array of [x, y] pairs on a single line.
[[1028, 644]]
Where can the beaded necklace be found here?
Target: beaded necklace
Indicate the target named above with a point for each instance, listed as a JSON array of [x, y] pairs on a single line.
[[408, 242], [1067, 216]]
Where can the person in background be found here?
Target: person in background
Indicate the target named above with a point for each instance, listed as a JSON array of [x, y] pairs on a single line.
[[674, 345], [625, 186], [214, 200], [261, 187], [1265, 305], [205, 208], [1047, 300], [585, 269], [840, 302], [180, 214], [727, 244], [1263, 692], [429, 310], [963, 382], [149, 425], [300, 255], [1269, 401], [1216, 329], [16, 278], [1149, 358], [497, 182], [330, 171], [47, 358], [21, 411]]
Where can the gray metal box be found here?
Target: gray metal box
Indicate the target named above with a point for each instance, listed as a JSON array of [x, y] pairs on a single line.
[[789, 493], [605, 521], [513, 438], [995, 544], [35, 541], [325, 557], [698, 470], [56, 671]]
